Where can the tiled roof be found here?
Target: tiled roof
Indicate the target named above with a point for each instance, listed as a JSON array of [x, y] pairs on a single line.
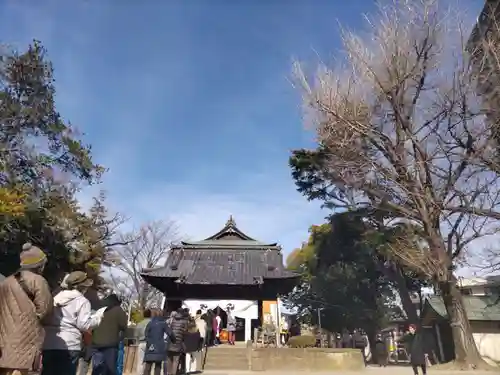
[[227, 267], [229, 257], [485, 308], [228, 243]]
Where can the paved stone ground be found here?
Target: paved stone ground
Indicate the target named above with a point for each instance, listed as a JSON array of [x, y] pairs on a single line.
[[391, 370]]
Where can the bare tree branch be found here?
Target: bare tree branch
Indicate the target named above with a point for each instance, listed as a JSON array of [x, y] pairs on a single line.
[[144, 248], [403, 129]]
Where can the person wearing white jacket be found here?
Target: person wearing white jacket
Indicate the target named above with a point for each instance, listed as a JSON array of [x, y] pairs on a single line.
[[71, 317]]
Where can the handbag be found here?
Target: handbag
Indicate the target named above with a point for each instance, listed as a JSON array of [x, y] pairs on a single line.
[[37, 361]]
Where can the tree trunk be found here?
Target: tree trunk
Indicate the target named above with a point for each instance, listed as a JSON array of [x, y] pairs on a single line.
[[394, 274], [466, 352], [408, 305]]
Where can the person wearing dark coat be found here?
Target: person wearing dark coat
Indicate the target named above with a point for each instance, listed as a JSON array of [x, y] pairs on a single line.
[[208, 334], [156, 345], [359, 342], [381, 351], [107, 336], [414, 343], [179, 326], [346, 339]]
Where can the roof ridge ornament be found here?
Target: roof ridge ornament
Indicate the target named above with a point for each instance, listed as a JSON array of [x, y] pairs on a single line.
[[231, 222]]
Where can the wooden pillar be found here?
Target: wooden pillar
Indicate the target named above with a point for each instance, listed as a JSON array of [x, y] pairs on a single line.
[[261, 312], [278, 322]]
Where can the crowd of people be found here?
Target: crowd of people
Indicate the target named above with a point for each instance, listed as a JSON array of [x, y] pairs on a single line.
[[173, 343], [57, 332], [48, 330]]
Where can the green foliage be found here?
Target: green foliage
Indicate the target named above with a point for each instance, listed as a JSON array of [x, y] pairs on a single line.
[[304, 259], [36, 142], [312, 178], [316, 181], [342, 278], [42, 164], [136, 315], [303, 341]]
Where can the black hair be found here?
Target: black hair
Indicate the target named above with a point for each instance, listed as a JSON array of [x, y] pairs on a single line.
[[147, 313], [112, 300], [198, 312]]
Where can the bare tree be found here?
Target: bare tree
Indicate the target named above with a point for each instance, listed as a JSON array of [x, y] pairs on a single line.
[[144, 248], [404, 134]]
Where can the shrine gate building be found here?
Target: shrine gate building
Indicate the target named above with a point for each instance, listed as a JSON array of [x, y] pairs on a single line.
[[228, 268]]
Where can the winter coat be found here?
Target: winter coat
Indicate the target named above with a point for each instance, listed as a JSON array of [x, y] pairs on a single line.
[[381, 352], [359, 341], [71, 316], [346, 340], [21, 331], [215, 324], [201, 324], [179, 326], [159, 336], [414, 343], [208, 320], [109, 332], [231, 323], [192, 341], [140, 329]]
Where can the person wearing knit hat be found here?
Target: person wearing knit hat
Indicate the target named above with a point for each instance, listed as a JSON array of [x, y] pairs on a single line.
[[32, 257], [72, 316], [26, 301]]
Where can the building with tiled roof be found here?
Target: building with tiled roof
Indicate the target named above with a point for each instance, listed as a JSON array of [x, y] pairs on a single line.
[[227, 266], [483, 313]]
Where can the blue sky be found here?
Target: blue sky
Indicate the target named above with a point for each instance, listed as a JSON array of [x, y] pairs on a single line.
[[188, 103]]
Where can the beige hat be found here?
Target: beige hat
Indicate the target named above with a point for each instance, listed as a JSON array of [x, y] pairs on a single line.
[[32, 257], [78, 278]]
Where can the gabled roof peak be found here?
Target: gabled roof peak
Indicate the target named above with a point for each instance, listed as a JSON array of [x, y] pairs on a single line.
[[230, 232], [230, 237]]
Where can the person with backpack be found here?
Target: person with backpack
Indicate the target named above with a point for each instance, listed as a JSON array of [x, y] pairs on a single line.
[[176, 350], [26, 301], [192, 344], [70, 319]]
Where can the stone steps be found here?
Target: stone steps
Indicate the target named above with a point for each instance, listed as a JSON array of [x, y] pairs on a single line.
[[227, 358]]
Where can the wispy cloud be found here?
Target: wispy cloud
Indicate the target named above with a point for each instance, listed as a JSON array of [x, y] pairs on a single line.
[[264, 209]]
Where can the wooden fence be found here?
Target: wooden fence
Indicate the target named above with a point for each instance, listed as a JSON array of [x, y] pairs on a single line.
[[131, 359]]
